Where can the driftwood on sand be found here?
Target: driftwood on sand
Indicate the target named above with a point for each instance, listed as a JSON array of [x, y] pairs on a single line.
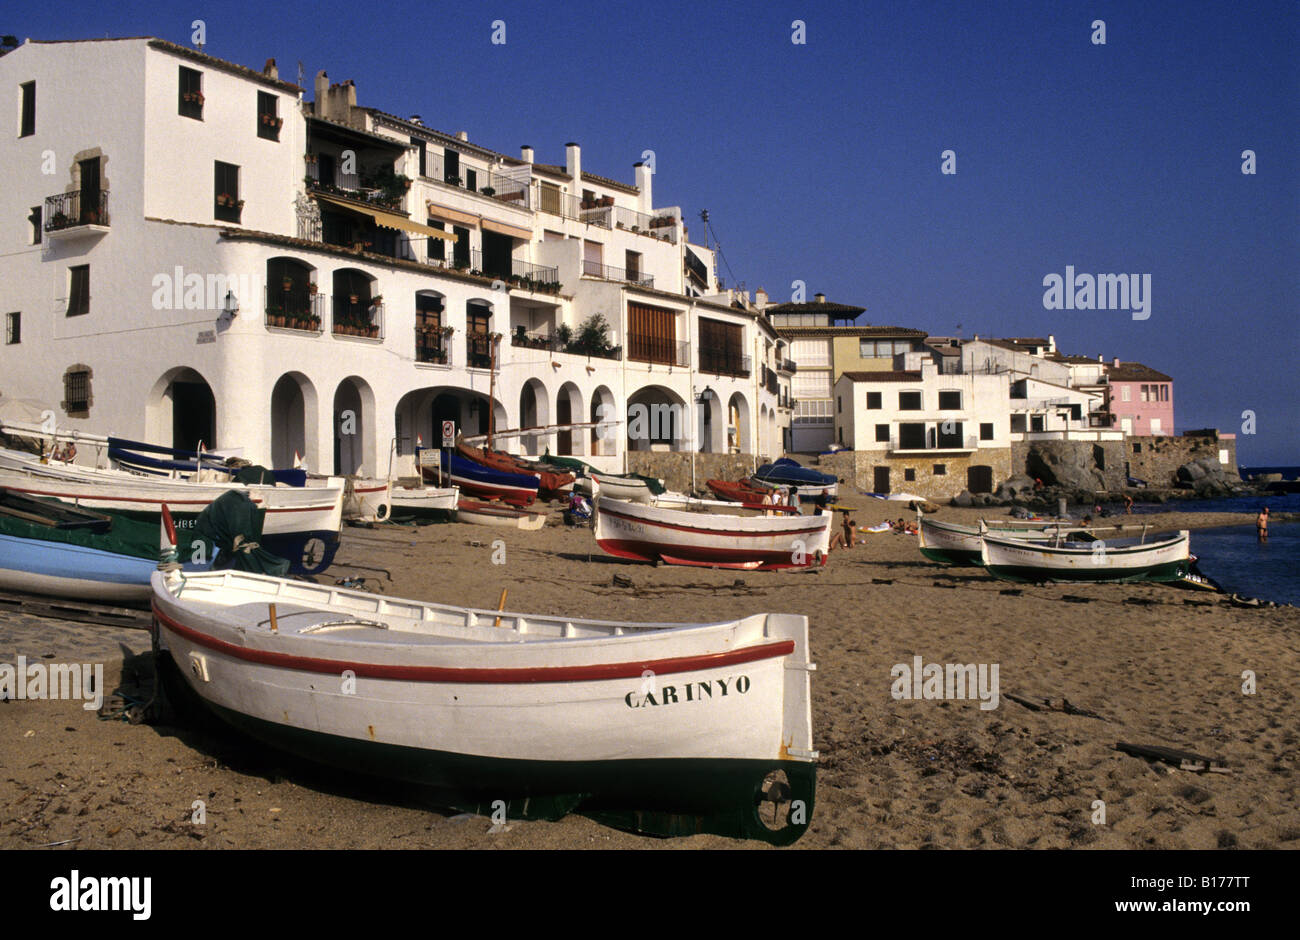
[[1185, 760]]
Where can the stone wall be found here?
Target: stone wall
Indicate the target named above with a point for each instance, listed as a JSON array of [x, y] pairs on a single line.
[[858, 470], [674, 467], [1157, 459]]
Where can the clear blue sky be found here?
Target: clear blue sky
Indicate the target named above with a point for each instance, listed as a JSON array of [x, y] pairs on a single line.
[[821, 161]]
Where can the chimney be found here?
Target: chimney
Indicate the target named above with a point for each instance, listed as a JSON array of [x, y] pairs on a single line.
[[526, 153], [1051, 343], [269, 70], [322, 90], [819, 298], [416, 119], [645, 183], [1101, 358], [573, 162], [1115, 362], [463, 135], [760, 299]]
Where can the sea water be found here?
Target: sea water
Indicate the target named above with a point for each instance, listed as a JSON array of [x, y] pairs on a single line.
[[1241, 564]]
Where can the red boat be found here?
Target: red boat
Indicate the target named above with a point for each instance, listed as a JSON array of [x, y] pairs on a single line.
[[740, 491], [552, 484]]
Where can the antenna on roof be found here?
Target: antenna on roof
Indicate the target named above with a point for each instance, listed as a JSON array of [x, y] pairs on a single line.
[[704, 217], [300, 73]]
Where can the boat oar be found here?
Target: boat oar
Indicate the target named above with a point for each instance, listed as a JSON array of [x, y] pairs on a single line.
[[501, 605], [275, 624]]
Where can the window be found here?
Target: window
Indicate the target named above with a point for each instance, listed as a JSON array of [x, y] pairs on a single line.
[[471, 180], [190, 94], [882, 348], [27, 127], [986, 431], [1037, 423], [79, 290], [1145, 392], [437, 246], [839, 405], [1126, 393], [882, 434], [429, 344], [1155, 425], [228, 205], [911, 436], [451, 167], [909, 401], [421, 155], [950, 401], [1164, 393], [13, 329], [76, 391], [268, 119], [35, 219], [1137, 447], [873, 401], [478, 336], [940, 469], [652, 334], [950, 434], [909, 475], [632, 259], [460, 248]]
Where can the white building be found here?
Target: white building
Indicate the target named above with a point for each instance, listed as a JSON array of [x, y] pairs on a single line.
[[194, 253]]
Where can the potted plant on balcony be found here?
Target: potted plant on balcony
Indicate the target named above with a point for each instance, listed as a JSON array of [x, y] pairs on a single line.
[[224, 199], [312, 288], [448, 330], [607, 201], [563, 335], [488, 191], [521, 335], [452, 180], [286, 283], [376, 300], [354, 298]]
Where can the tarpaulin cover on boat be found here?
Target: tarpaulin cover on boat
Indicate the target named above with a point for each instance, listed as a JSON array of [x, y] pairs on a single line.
[[233, 524], [125, 536]]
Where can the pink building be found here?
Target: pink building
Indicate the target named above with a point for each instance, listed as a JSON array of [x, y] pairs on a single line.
[[1140, 399]]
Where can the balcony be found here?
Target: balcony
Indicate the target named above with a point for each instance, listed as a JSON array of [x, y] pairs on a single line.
[[66, 216], [521, 274], [553, 342], [609, 273], [478, 350], [952, 445], [498, 186], [294, 309], [657, 350], [383, 189], [786, 365], [432, 345], [357, 317], [769, 381], [724, 362], [602, 212]]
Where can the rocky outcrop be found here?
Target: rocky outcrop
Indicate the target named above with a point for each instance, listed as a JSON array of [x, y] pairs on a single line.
[[1061, 464], [1207, 478]]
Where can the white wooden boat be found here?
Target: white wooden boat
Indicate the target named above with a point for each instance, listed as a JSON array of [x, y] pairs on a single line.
[[618, 487], [661, 727], [721, 506], [302, 523], [424, 501], [1161, 559], [956, 544], [653, 533], [477, 512]]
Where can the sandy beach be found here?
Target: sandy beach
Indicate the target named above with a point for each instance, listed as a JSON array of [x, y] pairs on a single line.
[[1159, 665]]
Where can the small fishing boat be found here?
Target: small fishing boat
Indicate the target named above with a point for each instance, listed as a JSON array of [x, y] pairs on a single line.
[[424, 502], [740, 491], [723, 506], [652, 533], [955, 544], [786, 472], [1161, 559], [662, 728], [480, 513], [552, 482], [302, 523], [633, 489], [477, 479]]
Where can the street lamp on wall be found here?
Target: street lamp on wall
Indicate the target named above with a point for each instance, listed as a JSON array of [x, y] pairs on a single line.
[[231, 306]]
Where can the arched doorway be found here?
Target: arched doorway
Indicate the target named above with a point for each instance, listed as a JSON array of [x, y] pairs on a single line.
[[657, 420], [739, 438], [354, 446], [568, 410], [603, 441], [183, 410], [293, 421], [711, 429], [534, 412]]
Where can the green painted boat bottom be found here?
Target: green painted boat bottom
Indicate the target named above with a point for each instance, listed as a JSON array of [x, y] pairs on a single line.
[[1170, 571], [948, 556], [658, 797]]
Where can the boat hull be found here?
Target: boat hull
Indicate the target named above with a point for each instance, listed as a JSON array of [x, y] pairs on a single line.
[[477, 513], [647, 722], [624, 488], [1036, 561], [476, 479], [72, 571], [650, 533], [425, 502]]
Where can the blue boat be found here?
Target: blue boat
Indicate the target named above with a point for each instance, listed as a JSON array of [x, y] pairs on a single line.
[[786, 472], [134, 455], [54, 548], [476, 479]]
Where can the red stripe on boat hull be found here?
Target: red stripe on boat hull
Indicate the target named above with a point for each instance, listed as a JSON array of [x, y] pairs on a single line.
[[629, 670]]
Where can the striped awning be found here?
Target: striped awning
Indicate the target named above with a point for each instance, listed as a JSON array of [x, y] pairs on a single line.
[[452, 215], [502, 228], [388, 219]]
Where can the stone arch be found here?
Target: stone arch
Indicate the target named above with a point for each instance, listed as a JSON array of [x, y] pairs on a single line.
[[658, 419], [294, 416], [569, 410], [181, 410], [534, 412], [602, 442], [710, 423], [739, 436], [354, 428]]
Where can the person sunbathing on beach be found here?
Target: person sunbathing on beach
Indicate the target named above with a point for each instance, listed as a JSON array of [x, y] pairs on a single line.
[[844, 539], [1261, 524]]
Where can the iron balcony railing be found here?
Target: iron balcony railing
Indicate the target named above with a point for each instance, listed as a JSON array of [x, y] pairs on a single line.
[[657, 350], [66, 210], [935, 442], [553, 343], [663, 227], [351, 186], [769, 381], [787, 365], [601, 211], [723, 362], [518, 273], [610, 273], [361, 318], [432, 345], [478, 350], [294, 309], [498, 186]]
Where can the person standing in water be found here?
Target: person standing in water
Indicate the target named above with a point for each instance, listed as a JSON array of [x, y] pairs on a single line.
[[1261, 524]]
